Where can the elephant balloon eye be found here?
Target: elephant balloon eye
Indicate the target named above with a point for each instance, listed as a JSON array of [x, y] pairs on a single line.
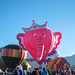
[[35, 35], [44, 35]]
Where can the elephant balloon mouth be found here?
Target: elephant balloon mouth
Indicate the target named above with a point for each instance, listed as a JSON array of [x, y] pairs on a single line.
[[45, 50], [36, 50]]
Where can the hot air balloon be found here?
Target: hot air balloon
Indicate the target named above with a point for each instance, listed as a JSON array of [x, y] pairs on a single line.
[[57, 63], [39, 41], [12, 55]]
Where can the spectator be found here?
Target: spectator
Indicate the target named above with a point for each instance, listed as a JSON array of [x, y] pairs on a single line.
[[57, 72], [35, 72], [53, 72], [28, 73], [44, 72], [24, 72], [49, 72], [69, 73], [18, 71], [72, 72], [60, 71]]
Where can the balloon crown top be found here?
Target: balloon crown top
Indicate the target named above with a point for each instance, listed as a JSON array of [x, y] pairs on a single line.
[[35, 26]]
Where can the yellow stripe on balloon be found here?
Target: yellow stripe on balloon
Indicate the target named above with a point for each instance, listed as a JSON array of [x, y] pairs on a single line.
[[2, 53], [14, 53], [58, 61], [54, 66], [25, 54], [65, 65]]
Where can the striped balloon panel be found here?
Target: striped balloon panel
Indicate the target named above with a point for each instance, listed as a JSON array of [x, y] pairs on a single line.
[[13, 53]]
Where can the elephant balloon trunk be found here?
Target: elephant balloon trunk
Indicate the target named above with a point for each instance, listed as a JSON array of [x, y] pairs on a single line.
[[40, 48]]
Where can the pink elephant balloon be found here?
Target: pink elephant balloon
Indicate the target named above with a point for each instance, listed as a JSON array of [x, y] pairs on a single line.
[[39, 41]]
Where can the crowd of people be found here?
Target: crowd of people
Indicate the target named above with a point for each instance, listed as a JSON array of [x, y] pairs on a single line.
[[54, 72], [60, 71], [44, 72]]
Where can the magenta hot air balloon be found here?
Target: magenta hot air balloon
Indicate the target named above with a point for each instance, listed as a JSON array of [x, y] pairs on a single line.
[[39, 41]]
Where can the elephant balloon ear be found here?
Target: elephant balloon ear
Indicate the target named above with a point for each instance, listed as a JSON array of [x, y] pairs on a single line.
[[20, 37], [58, 36]]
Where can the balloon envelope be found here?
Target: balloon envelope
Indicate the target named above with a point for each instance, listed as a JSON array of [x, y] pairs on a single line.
[[57, 63], [39, 41], [13, 55]]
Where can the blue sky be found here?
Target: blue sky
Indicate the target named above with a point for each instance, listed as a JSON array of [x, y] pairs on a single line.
[[60, 15]]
